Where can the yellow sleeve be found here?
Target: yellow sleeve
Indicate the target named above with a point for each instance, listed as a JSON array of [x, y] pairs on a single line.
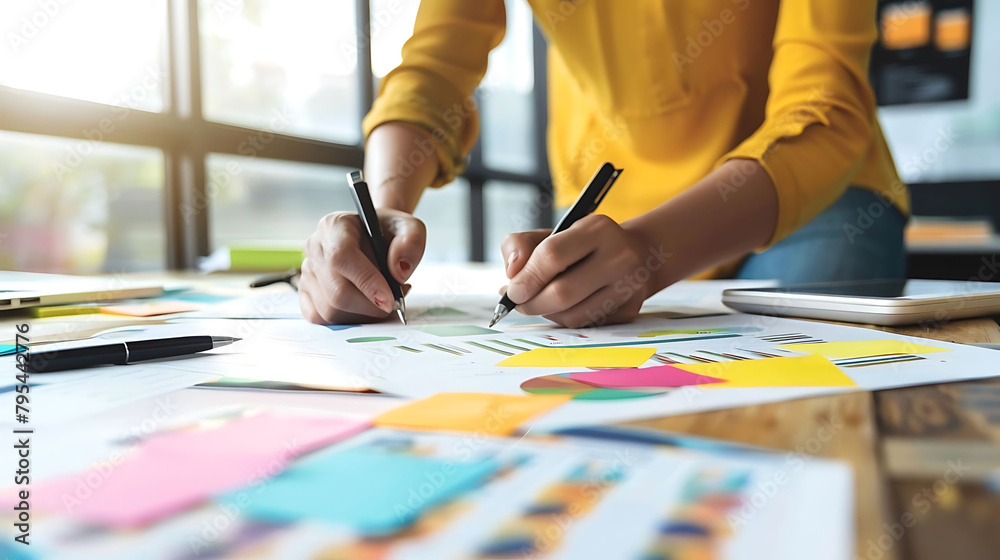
[[433, 87], [821, 109]]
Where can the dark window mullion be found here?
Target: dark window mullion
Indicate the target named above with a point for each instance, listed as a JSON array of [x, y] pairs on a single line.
[[364, 56], [174, 172], [196, 202], [477, 212], [540, 111]]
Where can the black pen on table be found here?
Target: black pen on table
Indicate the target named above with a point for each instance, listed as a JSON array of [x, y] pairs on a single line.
[[366, 210], [291, 276], [587, 203], [43, 361]]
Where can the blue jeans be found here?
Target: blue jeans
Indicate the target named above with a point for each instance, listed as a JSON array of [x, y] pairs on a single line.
[[836, 246]]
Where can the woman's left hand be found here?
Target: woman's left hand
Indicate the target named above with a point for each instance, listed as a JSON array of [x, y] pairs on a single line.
[[594, 273]]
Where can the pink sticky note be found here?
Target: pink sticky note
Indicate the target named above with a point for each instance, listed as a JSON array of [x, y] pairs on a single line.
[[657, 376], [177, 470]]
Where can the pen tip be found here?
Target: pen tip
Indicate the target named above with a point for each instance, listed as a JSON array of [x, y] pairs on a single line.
[[237, 339]]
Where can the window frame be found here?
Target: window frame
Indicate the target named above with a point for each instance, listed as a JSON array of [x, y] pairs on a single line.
[[186, 138]]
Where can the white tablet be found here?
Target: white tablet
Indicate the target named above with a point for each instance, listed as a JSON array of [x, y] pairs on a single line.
[[878, 302]]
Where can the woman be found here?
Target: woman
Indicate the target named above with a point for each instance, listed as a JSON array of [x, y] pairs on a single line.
[[746, 127]]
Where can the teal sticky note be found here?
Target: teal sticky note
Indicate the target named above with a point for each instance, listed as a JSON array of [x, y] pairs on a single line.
[[199, 297], [373, 492], [7, 349]]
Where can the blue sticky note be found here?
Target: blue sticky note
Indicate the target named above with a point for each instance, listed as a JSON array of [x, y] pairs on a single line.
[[7, 349], [372, 492]]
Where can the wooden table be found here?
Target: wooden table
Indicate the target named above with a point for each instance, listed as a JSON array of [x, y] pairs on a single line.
[[899, 443], [926, 459]]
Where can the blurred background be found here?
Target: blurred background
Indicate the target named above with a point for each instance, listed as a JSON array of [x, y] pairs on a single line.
[[144, 134]]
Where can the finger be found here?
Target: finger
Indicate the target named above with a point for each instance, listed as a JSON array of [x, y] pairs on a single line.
[[572, 286], [343, 297], [549, 259], [307, 307], [334, 294], [606, 307], [322, 312], [342, 253], [517, 247], [408, 237]]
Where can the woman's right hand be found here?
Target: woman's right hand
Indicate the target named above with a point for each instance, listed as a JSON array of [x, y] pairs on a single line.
[[340, 281]]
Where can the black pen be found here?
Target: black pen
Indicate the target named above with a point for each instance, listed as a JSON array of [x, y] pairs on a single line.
[[366, 209], [588, 201], [291, 276], [122, 353]]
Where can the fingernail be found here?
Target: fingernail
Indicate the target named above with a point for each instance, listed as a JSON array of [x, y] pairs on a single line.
[[511, 258], [383, 303]]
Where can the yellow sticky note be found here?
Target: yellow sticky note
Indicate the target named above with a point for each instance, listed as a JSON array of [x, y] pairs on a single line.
[[603, 357], [863, 348], [807, 371], [470, 412]]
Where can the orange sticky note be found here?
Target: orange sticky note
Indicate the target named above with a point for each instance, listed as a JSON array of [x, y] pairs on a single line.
[[149, 309], [863, 348], [470, 412], [807, 371]]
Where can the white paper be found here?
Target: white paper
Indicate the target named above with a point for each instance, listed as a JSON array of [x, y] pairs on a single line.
[[415, 363]]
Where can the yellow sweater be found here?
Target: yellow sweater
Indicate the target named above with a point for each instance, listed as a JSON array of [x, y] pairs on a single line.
[[668, 90]]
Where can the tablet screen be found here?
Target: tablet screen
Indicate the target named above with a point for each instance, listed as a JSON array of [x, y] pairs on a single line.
[[909, 289]]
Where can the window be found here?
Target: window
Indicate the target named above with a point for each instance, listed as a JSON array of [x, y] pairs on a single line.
[[510, 207], [112, 51], [296, 58], [445, 213], [507, 102], [257, 200], [214, 122], [78, 206]]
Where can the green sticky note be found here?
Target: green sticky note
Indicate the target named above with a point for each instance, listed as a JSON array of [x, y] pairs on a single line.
[[457, 330], [370, 339], [263, 258], [370, 491]]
